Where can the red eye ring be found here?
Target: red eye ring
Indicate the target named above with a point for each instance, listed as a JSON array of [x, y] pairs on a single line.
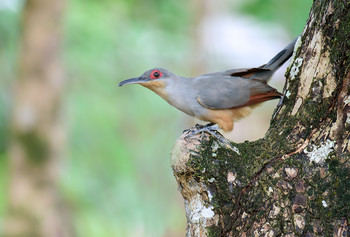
[[155, 74]]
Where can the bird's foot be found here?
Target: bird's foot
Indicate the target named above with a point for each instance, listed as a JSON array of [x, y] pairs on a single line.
[[210, 128]]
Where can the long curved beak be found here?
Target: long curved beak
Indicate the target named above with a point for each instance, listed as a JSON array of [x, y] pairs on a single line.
[[135, 80]]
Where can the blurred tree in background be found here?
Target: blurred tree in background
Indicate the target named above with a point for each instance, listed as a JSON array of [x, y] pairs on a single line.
[[112, 188], [35, 207]]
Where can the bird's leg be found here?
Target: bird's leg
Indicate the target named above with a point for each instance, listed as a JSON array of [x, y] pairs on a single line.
[[210, 128], [199, 127]]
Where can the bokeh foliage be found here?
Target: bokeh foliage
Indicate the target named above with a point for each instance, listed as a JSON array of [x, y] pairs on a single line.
[[116, 175], [9, 32], [291, 14]]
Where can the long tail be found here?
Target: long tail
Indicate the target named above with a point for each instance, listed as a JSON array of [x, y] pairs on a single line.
[[276, 62]]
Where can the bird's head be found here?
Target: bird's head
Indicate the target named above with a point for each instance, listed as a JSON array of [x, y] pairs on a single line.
[[151, 78], [155, 79]]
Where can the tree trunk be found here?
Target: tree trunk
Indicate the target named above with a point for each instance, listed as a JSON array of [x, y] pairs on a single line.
[[35, 205], [296, 180]]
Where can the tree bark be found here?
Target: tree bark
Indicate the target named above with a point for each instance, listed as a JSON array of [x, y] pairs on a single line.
[[295, 181], [35, 204]]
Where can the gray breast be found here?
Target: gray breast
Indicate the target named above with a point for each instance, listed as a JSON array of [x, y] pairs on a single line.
[[182, 95]]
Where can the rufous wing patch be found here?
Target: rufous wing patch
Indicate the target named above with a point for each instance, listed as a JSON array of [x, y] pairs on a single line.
[[258, 98]]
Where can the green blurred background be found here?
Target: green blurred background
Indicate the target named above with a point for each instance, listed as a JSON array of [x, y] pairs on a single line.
[[116, 175]]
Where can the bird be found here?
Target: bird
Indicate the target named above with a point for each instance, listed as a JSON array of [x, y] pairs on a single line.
[[220, 98]]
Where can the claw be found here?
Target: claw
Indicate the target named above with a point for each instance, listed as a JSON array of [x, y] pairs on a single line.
[[210, 128]]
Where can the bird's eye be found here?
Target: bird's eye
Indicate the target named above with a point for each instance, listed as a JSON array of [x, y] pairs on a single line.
[[156, 74]]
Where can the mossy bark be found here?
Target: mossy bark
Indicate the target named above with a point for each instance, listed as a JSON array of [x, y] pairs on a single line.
[[35, 206], [295, 181]]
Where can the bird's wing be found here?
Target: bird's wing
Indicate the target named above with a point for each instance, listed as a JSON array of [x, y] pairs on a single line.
[[244, 72], [231, 92]]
